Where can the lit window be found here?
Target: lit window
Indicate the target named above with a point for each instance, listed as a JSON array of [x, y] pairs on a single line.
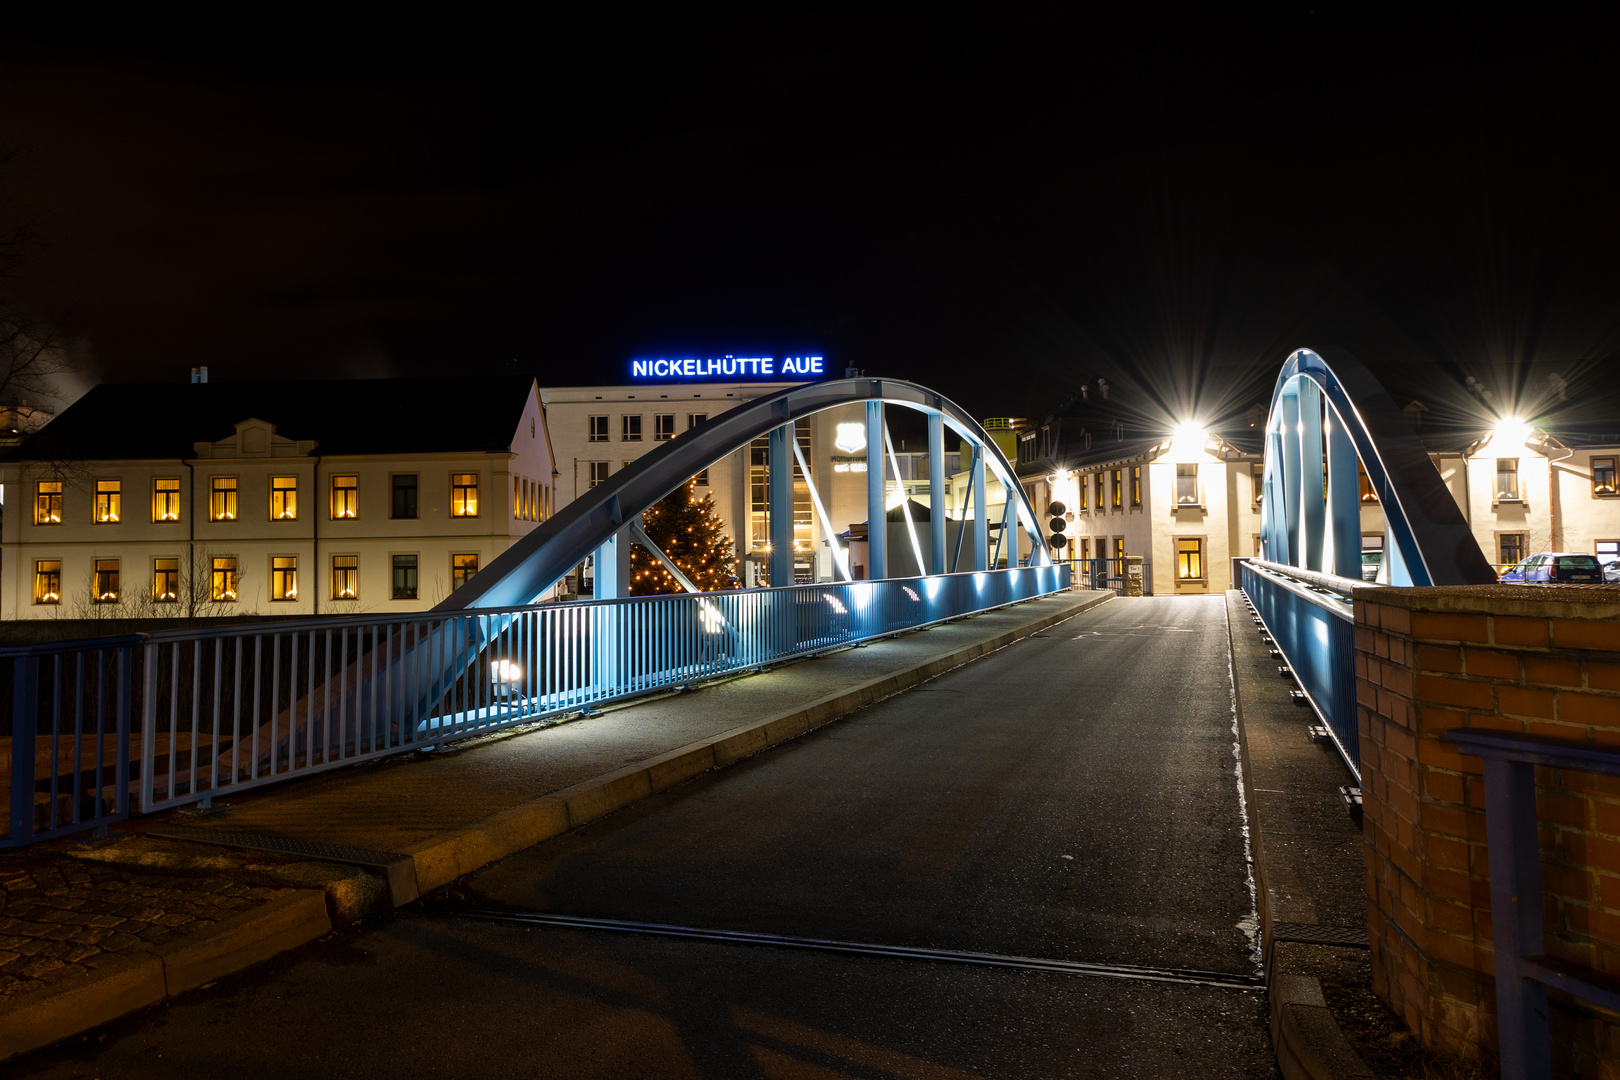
[[47, 581], [283, 498], [631, 428], [283, 578], [166, 500], [1119, 547], [1085, 548], [223, 583], [517, 498], [222, 499], [599, 472], [1510, 548], [1368, 495], [1507, 478], [1102, 490], [664, 426], [166, 580], [1190, 559], [345, 497], [405, 495], [404, 577], [463, 494], [1603, 477], [48, 506], [109, 501], [462, 567], [599, 429], [1085, 493], [1136, 485], [345, 577], [104, 589], [1119, 485], [1186, 485]]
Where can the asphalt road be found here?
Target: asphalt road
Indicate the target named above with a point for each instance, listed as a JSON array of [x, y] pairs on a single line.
[[1072, 797]]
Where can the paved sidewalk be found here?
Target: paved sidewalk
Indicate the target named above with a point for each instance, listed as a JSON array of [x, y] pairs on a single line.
[[89, 931]]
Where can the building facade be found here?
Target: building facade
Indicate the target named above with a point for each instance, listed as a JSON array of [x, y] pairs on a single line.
[[293, 498]]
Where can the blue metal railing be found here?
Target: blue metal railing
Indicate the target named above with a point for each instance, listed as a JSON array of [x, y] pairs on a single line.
[[180, 716], [1523, 970], [1310, 617]]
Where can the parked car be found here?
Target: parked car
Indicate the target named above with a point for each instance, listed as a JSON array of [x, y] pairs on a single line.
[[1611, 571], [1372, 559], [1555, 568]]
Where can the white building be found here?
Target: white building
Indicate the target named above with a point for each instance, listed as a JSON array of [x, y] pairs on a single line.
[[274, 498]]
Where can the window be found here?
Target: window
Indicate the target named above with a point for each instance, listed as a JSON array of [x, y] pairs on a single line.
[[48, 581], [48, 506], [222, 498], [222, 587], [1507, 478], [1603, 476], [166, 580], [1102, 490], [1136, 485], [599, 472], [1085, 493], [1367, 493], [404, 577], [345, 577], [599, 429], [694, 419], [1085, 547], [463, 494], [345, 497], [405, 495], [104, 588], [631, 429], [283, 498], [1190, 559], [462, 567], [1257, 483], [1119, 547], [109, 501], [664, 426], [1186, 485], [517, 498], [283, 577], [1509, 548], [701, 479], [166, 500]]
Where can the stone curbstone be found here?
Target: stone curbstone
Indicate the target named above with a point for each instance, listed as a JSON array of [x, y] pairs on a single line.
[[122, 986], [243, 940], [56, 1012]]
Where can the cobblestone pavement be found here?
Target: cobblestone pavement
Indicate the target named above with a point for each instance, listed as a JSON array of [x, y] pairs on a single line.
[[61, 917]]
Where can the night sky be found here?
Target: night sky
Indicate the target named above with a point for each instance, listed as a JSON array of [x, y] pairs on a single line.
[[1001, 210]]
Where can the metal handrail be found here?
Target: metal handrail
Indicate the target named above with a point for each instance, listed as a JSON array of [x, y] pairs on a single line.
[[1523, 970]]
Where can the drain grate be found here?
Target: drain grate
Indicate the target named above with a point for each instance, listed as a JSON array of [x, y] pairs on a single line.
[[400, 870], [1351, 937]]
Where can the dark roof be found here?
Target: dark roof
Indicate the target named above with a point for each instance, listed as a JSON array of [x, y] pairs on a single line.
[[343, 416]]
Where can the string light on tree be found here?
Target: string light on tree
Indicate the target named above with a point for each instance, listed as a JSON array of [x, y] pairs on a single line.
[[686, 526]]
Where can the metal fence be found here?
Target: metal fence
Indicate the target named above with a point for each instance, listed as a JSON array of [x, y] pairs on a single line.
[[230, 708], [1310, 617], [1107, 574]]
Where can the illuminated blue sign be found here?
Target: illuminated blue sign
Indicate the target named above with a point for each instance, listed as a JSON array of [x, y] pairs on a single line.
[[729, 367]]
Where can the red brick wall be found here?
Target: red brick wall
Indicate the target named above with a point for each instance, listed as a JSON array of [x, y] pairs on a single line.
[[1513, 658]]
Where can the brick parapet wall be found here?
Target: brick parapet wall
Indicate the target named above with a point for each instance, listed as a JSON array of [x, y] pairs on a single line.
[[1513, 658]]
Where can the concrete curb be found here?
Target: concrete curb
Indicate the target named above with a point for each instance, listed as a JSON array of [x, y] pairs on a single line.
[[442, 859], [1304, 1035], [78, 1004]]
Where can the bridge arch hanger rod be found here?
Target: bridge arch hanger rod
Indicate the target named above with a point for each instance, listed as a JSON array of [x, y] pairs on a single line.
[[1328, 415], [600, 518]]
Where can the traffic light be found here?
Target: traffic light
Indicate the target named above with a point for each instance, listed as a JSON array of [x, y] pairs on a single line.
[[1057, 539]]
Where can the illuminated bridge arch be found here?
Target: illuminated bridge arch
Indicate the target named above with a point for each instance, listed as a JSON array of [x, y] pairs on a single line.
[[605, 520], [1340, 414]]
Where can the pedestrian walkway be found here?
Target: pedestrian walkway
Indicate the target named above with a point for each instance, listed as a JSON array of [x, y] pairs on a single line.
[[450, 811]]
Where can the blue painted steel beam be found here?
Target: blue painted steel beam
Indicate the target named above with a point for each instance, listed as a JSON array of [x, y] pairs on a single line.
[[877, 518], [779, 477], [535, 562], [981, 514], [936, 489], [1313, 505], [1344, 499]]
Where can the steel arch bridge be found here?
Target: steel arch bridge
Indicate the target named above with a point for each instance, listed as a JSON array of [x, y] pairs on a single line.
[[605, 520], [1325, 419]]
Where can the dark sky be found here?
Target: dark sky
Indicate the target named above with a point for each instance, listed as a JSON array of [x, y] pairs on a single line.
[[1001, 209]]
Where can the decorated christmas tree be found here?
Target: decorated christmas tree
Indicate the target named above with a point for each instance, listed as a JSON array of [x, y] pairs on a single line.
[[687, 528]]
